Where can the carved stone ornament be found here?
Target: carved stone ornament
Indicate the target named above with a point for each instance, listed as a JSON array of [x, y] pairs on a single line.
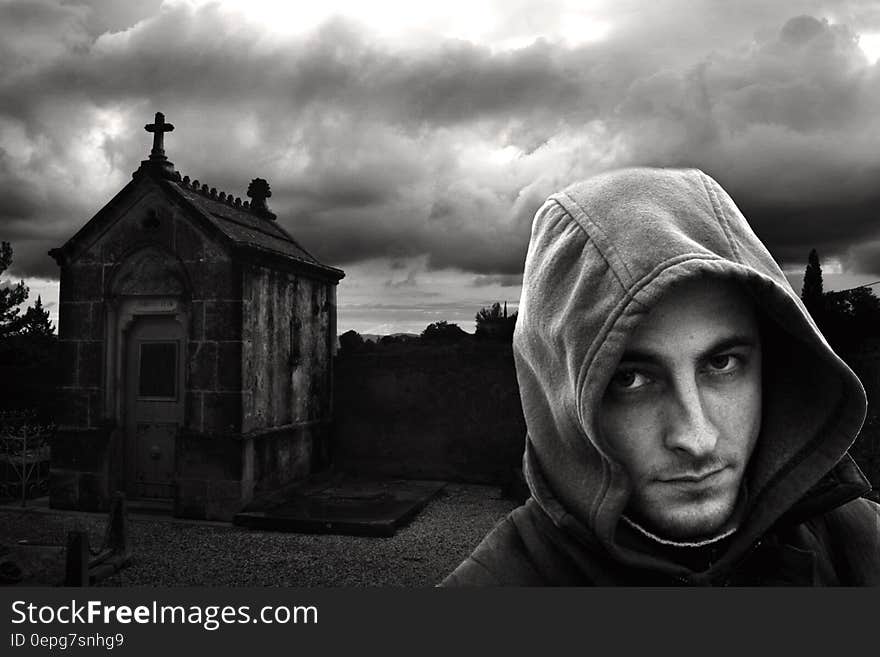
[[150, 271]]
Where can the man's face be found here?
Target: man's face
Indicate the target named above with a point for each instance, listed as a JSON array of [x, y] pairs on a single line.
[[683, 409]]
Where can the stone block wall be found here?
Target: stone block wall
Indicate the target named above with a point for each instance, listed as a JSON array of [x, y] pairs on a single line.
[[81, 346], [214, 365], [81, 450], [448, 412]]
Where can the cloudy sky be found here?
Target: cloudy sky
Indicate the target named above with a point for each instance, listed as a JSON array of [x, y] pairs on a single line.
[[411, 143]]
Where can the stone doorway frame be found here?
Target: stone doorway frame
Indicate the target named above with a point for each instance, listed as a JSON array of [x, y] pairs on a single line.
[[149, 282]]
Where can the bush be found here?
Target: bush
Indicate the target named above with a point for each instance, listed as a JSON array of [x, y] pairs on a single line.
[[443, 331], [494, 322], [350, 342]]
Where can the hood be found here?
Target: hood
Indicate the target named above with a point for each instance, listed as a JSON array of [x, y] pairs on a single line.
[[602, 252]]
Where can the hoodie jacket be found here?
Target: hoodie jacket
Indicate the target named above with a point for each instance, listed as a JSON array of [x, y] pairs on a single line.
[[602, 252]]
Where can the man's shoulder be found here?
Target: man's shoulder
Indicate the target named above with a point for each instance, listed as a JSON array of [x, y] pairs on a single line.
[[852, 535], [860, 516], [500, 559], [527, 549]]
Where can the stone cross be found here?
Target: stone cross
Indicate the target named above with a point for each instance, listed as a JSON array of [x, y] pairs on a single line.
[[159, 128]]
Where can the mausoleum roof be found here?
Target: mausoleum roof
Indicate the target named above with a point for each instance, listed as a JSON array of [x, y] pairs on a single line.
[[237, 221], [247, 226]]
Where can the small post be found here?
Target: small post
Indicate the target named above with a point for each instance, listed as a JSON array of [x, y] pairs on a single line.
[[76, 571], [117, 525], [24, 471]]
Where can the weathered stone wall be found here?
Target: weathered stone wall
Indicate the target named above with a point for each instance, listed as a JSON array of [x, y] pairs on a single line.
[[214, 350], [79, 475], [429, 411], [81, 343], [286, 373]]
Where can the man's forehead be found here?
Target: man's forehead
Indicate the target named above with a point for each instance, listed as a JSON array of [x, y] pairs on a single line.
[[697, 314]]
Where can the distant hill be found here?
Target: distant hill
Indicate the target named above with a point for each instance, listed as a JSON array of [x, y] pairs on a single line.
[[375, 337]]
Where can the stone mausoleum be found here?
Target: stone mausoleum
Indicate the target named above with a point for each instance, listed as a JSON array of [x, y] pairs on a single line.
[[197, 339]]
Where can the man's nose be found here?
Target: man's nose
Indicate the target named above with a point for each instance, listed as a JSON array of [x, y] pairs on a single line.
[[689, 427]]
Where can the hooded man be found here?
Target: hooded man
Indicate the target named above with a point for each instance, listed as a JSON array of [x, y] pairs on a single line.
[[687, 422]]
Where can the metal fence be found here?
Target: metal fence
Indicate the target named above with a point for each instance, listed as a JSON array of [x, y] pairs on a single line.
[[24, 457]]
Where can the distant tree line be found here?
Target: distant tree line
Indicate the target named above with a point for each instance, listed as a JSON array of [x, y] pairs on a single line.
[[493, 323], [29, 370], [850, 321], [847, 318]]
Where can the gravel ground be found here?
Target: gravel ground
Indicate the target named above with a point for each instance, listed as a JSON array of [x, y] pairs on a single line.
[[170, 552]]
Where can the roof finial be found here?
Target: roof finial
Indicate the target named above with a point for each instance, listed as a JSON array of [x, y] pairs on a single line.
[[259, 191], [159, 128]]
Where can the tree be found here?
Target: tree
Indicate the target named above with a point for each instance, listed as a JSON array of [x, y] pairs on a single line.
[[36, 321], [350, 342], [29, 363], [850, 317], [811, 292], [494, 322], [492, 313], [443, 331], [10, 297]]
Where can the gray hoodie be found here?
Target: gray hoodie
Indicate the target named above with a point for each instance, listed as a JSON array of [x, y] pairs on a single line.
[[602, 252]]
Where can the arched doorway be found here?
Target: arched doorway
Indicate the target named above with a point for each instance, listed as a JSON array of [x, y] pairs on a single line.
[[147, 328]]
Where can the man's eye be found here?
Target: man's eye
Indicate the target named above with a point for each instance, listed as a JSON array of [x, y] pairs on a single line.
[[723, 363], [629, 380]]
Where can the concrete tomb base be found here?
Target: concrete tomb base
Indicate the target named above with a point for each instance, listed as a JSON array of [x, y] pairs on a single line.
[[341, 505]]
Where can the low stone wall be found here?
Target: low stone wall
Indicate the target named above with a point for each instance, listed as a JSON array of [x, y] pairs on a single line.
[[430, 411], [453, 412]]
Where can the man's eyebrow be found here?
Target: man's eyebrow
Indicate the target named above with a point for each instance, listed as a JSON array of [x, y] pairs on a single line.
[[723, 344], [732, 342]]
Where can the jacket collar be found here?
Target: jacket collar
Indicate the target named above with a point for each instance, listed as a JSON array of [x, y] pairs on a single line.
[[843, 483]]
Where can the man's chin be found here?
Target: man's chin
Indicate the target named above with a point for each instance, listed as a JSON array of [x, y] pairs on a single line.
[[696, 522]]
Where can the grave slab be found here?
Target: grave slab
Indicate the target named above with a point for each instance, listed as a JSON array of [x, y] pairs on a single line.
[[341, 505]]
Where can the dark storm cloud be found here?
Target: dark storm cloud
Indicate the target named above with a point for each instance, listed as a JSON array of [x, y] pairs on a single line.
[[447, 149], [864, 256], [100, 16], [33, 30], [199, 55], [788, 126]]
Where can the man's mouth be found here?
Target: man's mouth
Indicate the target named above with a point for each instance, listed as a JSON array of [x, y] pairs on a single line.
[[693, 477]]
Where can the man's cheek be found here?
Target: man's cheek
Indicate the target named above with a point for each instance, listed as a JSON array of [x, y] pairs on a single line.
[[637, 445]]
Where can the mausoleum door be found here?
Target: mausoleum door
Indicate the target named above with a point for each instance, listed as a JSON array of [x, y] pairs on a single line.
[[154, 399]]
